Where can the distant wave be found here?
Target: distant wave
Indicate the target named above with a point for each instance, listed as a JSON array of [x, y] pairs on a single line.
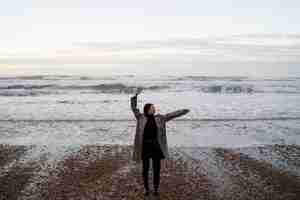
[[31, 90], [85, 102], [212, 78], [27, 87], [249, 89], [56, 77], [40, 89], [36, 77], [282, 79], [25, 93], [227, 89], [281, 92], [111, 88], [185, 120], [179, 78], [232, 78]]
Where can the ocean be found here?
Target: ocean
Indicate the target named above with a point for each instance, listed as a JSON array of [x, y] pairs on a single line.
[[75, 110]]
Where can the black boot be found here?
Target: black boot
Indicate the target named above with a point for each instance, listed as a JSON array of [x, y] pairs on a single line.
[[156, 193], [146, 187], [147, 193]]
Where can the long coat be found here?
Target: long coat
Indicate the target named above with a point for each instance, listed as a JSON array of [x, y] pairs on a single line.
[[160, 120]]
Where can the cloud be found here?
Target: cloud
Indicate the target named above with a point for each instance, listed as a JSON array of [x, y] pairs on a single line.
[[236, 48]]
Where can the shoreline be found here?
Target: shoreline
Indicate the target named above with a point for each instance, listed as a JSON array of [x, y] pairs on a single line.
[[107, 172]]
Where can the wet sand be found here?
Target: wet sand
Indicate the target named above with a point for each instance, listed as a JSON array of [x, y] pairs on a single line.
[[107, 172]]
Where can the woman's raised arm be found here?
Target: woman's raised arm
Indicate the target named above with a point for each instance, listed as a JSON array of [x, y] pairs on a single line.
[[133, 103]]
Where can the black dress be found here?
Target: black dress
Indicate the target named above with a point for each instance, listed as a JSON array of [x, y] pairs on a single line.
[[151, 147]]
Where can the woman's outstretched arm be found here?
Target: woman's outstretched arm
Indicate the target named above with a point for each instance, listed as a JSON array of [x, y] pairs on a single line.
[[176, 113], [135, 110]]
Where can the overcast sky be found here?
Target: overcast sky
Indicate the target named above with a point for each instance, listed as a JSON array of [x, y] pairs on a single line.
[[72, 34]]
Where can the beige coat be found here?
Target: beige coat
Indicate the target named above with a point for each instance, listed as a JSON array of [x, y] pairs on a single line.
[[161, 129]]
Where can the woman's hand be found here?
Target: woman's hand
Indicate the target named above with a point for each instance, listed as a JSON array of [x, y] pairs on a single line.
[[186, 110]]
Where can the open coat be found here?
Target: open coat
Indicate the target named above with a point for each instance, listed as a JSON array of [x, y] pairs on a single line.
[[161, 129]]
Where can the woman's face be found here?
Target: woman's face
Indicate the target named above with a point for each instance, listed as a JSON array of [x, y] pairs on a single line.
[[151, 110]]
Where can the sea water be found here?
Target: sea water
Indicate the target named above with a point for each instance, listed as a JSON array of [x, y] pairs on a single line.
[[69, 111]]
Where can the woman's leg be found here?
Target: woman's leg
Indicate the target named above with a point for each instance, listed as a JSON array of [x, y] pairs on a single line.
[[145, 173], [156, 173]]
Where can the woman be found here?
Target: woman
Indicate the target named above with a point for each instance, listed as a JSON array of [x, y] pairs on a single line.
[[150, 139]]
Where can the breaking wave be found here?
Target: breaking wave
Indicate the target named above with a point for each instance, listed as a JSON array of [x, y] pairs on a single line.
[[234, 78], [248, 89], [33, 90], [56, 77], [112, 87], [25, 93], [27, 87], [212, 78], [227, 89]]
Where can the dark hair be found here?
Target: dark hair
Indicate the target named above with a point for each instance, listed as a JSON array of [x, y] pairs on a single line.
[[147, 107]]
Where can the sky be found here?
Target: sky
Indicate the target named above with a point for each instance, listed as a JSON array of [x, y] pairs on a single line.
[[230, 37]]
